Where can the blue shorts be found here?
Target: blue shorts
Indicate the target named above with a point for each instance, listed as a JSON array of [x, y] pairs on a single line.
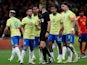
[[37, 40], [15, 40], [29, 42], [68, 38], [54, 37], [83, 38]]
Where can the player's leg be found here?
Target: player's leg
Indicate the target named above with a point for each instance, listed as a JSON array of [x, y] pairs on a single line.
[[85, 48], [64, 48], [70, 54], [12, 54], [45, 51], [68, 48], [31, 44], [51, 40], [59, 41], [37, 42], [16, 44], [43, 47], [72, 47], [25, 46], [17, 49], [39, 50], [80, 46], [13, 50], [35, 46]]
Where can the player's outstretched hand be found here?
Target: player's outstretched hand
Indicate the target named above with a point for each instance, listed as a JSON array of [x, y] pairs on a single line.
[[3, 35]]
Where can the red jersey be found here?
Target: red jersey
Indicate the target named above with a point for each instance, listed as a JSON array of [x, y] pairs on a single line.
[[82, 21]]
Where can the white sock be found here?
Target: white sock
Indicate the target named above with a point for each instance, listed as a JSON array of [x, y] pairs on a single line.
[[32, 53], [18, 52], [64, 49], [30, 56], [69, 55], [53, 46], [73, 49], [22, 55], [60, 57], [33, 56], [12, 54], [40, 54], [52, 54]]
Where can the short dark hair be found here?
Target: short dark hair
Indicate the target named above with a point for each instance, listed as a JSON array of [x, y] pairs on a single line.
[[34, 6], [43, 5], [81, 10], [65, 3], [53, 5], [29, 8]]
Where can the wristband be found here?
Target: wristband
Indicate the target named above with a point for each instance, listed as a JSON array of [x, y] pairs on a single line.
[[72, 29]]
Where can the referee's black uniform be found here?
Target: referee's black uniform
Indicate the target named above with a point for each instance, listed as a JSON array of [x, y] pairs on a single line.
[[44, 24]]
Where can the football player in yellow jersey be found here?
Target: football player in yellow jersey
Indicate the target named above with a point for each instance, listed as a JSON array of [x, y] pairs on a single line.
[[29, 24], [55, 19], [13, 23], [69, 22], [37, 32]]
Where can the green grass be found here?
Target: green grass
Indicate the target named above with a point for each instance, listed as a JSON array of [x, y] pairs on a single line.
[[5, 54]]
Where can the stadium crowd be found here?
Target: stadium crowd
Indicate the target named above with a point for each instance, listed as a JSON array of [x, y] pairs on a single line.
[[21, 5], [32, 19]]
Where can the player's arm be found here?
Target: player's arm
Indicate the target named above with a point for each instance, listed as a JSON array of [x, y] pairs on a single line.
[[38, 25], [22, 26], [49, 23], [75, 23], [75, 28], [48, 26], [61, 30], [6, 28], [22, 30]]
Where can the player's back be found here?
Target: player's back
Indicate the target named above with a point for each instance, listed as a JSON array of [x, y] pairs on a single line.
[[13, 23]]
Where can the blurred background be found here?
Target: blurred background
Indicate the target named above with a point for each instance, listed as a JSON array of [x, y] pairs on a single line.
[[21, 5]]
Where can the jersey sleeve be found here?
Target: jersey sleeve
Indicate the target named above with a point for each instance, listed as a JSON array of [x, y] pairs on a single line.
[[61, 19], [47, 17], [8, 23], [19, 22], [61, 22], [38, 21], [23, 22], [72, 16]]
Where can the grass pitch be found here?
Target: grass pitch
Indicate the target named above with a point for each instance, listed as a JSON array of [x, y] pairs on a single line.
[[5, 54]]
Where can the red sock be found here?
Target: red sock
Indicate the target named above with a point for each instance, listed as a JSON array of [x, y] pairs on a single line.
[[85, 48], [81, 48]]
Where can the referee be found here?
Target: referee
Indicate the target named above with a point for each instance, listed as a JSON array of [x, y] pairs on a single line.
[[45, 29]]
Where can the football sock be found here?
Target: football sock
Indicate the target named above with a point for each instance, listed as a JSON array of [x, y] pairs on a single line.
[[18, 52]]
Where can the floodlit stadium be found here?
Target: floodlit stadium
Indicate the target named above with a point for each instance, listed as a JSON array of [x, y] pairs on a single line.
[[41, 32]]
